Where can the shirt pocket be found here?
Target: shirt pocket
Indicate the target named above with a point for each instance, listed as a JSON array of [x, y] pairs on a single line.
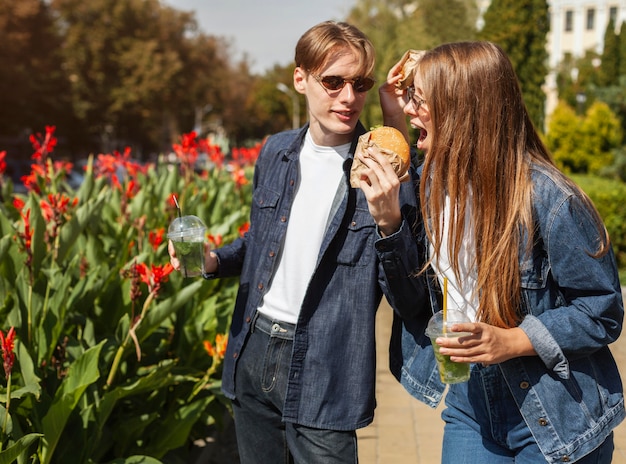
[[264, 204], [359, 243]]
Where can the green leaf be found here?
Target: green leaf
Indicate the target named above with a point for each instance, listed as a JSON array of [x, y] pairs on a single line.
[[165, 308], [136, 460], [179, 424], [82, 373], [11, 454]]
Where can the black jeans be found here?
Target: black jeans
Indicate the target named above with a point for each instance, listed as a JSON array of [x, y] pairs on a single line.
[[260, 382]]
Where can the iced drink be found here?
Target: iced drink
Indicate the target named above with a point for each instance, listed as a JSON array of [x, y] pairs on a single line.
[[187, 234], [449, 371]]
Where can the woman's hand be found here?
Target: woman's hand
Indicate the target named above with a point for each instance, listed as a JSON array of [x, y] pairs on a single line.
[[392, 101], [487, 344]]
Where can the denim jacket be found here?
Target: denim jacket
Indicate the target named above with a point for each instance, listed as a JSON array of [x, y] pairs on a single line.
[[570, 395], [332, 375]]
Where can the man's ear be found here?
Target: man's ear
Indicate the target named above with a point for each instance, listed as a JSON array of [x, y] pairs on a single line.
[[299, 80]]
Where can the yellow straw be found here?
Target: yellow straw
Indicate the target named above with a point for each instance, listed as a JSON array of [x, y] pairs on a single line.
[[445, 303]]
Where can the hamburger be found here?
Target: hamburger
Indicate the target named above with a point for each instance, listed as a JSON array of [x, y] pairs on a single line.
[[409, 63], [391, 143]]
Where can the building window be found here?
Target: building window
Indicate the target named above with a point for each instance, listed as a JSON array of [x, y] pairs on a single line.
[[613, 14], [569, 21], [591, 16]]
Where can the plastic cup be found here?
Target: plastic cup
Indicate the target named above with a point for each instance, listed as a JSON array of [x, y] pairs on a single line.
[[449, 371], [187, 234]]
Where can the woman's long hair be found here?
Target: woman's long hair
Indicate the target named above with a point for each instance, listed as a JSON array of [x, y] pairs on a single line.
[[483, 146]]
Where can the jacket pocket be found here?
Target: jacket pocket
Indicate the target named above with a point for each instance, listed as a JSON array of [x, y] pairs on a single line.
[[264, 206], [359, 243]]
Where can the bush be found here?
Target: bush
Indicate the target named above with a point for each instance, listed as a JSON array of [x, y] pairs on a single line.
[[116, 358], [609, 197]]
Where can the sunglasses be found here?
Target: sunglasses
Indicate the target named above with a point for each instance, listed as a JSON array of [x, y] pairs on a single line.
[[410, 97], [359, 84]]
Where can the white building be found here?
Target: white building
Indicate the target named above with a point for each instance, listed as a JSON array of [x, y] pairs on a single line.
[[575, 27]]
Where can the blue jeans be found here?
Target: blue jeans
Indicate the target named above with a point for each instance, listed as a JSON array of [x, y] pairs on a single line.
[[260, 382], [484, 425]]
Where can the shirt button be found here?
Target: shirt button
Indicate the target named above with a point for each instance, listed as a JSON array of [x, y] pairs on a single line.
[[272, 254], [353, 223], [235, 354], [275, 328], [543, 422], [283, 219], [260, 286], [248, 319], [565, 459], [292, 182], [524, 385]]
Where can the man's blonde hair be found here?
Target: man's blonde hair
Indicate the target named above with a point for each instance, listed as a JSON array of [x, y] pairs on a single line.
[[320, 43]]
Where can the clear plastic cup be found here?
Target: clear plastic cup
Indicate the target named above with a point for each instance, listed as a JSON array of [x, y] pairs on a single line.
[[449, 371], [187, 234]]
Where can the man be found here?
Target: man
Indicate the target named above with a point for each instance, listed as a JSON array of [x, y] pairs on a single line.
[[300, 362]]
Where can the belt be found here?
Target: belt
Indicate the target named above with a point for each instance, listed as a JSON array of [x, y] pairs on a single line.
[[273, 327]]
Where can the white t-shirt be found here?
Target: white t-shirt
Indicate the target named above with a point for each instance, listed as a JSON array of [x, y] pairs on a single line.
[[460, 295], [321, 170]]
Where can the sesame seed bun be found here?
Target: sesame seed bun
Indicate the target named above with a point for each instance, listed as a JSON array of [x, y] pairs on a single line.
[[392, 143]]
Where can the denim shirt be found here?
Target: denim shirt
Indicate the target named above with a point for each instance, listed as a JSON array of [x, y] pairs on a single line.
[[332, 374], [570, 394]]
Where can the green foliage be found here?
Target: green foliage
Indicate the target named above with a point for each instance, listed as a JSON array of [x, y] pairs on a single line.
[[583, 144], [29, 67], [520, 27], [610, 64], [111, 364], [609, 197], [398, 25]]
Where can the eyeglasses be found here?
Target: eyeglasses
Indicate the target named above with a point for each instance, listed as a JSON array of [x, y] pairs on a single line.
[[359, 84], [410, 97]]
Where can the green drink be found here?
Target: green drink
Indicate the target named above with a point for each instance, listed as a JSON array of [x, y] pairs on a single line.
[[191, 257], [187, 236], [449, 371]]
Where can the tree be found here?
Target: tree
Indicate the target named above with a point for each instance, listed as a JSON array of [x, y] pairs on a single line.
[[520, 27], [398, 25], [622, 50], [139, 71], [34, 89], [610, 64]]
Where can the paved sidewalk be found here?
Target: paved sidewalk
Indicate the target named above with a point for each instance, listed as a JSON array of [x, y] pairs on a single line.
[[406, 431]]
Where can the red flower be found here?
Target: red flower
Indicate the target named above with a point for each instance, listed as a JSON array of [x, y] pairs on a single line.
[[18, 203], [156, 238], [238, 175], [219, 349], [244, 229], [246, 156], [30, 181], [155, 276], [215, 155], [8, 344], [27, 235], [216, 240], [3, 164], [56, 206], [43, 145]]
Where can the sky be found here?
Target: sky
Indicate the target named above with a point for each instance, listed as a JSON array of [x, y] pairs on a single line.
[[265, 30]]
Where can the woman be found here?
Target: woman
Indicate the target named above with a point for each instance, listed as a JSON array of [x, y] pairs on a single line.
[[526, 256]]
